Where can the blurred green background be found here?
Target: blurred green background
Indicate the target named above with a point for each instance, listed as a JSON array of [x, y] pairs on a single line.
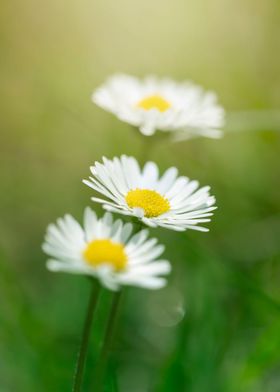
[[216, 327]]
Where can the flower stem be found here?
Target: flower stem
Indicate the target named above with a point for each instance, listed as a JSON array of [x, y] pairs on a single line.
[[107, 342], [148, 145], [82, 354]]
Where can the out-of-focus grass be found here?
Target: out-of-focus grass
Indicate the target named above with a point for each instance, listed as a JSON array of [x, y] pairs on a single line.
[[227, 281]]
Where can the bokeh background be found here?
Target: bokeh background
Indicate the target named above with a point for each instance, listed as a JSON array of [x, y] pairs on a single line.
[[216, 327]]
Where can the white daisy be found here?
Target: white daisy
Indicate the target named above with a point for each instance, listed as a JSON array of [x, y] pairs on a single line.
[[168, 201], [106, 250], [162, 104]]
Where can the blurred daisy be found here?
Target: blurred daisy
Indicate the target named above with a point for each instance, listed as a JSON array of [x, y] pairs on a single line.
[[162, 104], [106, 250], [168, 201]]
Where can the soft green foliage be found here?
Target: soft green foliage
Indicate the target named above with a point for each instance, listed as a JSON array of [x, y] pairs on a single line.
[[227, 281]]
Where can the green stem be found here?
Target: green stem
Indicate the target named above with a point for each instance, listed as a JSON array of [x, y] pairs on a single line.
[[82, 354], [148, 143], [147, 147], [107, 342]]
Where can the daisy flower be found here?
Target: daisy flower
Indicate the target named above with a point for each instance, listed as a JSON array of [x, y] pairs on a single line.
[[169, 201], [106, 250], [151, 104]]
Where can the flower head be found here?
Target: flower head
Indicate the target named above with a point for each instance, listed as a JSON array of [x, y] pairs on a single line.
[[106, 250], [151, 104], [169, 201]]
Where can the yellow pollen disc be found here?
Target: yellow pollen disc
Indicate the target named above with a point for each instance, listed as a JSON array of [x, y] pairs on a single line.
[[100, 252], [154, 102], [151, 202]]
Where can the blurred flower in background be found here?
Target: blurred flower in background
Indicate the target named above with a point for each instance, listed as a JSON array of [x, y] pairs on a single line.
[[183, 109]]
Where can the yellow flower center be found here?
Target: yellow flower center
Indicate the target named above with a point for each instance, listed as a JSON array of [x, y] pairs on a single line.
[[154, 102], [151, 202], [105, 251]]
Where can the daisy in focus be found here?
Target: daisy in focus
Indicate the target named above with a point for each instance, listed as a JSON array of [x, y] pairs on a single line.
[[168, 201], [106, 250], [151, 104]]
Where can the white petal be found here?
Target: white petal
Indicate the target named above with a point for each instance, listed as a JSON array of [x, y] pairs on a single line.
[[90, 220], [57, 266], [147, 282], [167, 180], [150, 175], [162, 267]]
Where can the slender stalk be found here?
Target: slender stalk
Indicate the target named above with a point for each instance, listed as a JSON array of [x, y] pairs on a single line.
[[148, 144], [107, 342], [82, 354]]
